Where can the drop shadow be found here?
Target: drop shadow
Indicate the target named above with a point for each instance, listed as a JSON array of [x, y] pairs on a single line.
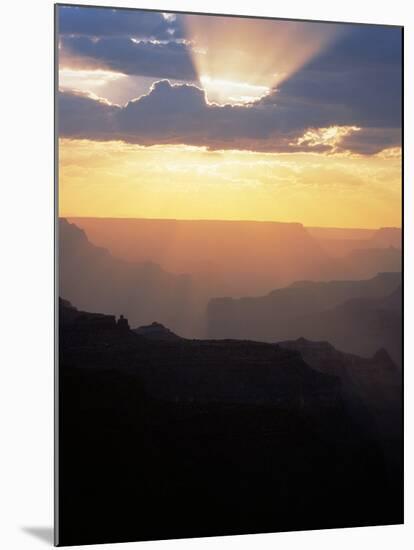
[[44, 534]]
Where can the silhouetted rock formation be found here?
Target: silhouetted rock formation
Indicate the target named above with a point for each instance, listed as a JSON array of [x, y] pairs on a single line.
[[372, 390], [70, 316], [122, 323], [157, 331], [176, 369], [360, 325], [249, 436], [220, 258], [93, 279], [374, 383], [350, 314]]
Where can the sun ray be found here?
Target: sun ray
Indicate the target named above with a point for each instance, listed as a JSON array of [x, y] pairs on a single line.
[[242, 61]]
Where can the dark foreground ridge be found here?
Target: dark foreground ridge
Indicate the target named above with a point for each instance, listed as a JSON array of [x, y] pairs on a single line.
[[187, 438]]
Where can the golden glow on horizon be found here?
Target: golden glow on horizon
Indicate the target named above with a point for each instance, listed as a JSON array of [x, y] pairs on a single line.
[[114, 179], [251, 53]]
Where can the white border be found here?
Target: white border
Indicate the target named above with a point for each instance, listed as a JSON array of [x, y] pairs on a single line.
[[26, 256]]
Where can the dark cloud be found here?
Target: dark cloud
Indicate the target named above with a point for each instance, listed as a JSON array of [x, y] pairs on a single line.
[[170, 114], [372, 140], [83, 117], [354, 82], [159, 60], [180, 114], [358, 81], [363, 46], [101, 22]]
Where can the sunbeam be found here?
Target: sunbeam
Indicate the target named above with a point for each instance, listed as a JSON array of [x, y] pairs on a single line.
[[240, 60]]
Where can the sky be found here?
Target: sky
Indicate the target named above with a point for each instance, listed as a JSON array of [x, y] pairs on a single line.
[[204, 117]]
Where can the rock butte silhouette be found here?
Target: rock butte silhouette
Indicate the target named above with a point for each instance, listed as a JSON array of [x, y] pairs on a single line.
[[254, 437], [95, 280], [156, 331]]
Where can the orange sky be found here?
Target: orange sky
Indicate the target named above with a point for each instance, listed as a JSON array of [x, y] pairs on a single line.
[[114, 179]]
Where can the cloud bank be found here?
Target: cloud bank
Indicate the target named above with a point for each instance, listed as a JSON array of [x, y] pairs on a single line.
[[122, 54], [180, 114], [356, 82]]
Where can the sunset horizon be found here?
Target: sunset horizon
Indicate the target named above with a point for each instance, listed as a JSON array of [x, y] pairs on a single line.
[[230, 257], [291, 222], [181, 117]]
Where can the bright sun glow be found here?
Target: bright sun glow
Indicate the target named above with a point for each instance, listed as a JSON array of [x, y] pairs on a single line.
[[240, 62], [224, 91]]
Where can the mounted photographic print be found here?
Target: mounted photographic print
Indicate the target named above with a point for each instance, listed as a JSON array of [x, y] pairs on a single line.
[[229, 275]]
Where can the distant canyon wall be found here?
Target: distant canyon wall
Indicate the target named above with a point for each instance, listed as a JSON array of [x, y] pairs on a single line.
[[174, 272], [239, 258]]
